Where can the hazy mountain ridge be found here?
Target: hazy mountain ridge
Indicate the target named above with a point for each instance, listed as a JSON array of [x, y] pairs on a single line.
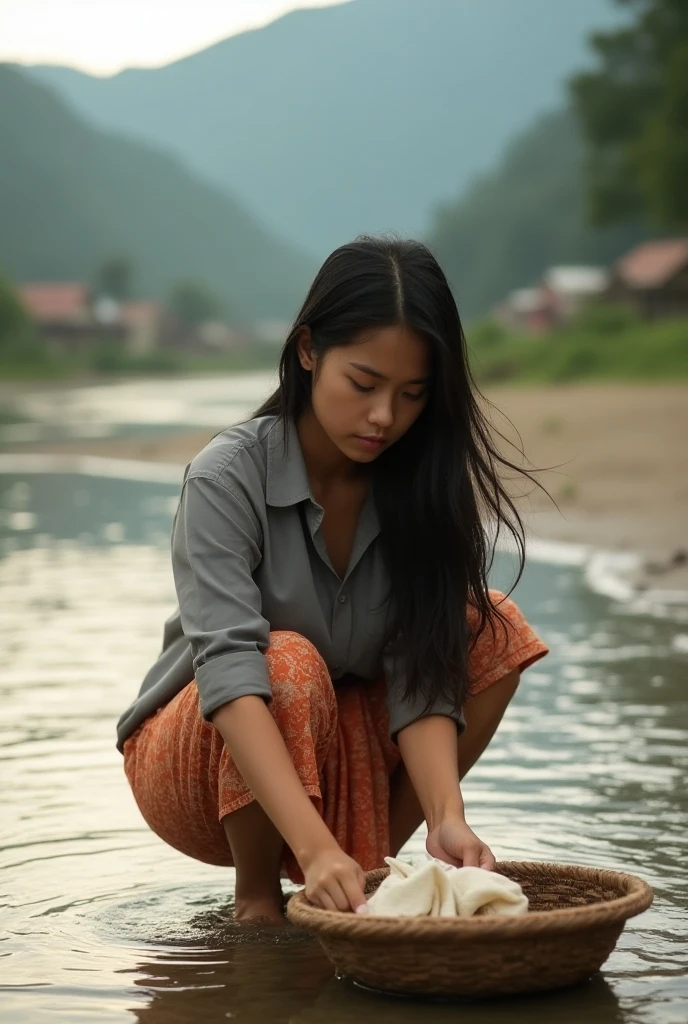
[[528, 214], [72, 196], [357, 117]]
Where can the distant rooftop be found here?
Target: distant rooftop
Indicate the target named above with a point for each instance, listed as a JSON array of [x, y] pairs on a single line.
[[55, 301], [527, 300], [576, 280], [652, 264], [138, 312]]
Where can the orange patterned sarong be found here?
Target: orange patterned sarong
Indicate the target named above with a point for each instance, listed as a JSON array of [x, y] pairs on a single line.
[[185, 782]]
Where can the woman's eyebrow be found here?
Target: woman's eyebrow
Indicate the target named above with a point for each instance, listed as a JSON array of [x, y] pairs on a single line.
[[380, 376]]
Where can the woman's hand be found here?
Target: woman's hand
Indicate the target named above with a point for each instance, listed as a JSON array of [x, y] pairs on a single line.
[[335, 881], [454, 842]]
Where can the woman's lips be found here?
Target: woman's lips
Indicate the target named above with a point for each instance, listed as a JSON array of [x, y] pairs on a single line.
[[370, 443]]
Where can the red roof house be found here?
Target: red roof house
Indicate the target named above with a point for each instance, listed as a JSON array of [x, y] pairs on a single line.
[[56, 303], [653, 278]]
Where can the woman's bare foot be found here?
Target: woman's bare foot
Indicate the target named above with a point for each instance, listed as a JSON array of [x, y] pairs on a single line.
[[260, 910], [257, 851]]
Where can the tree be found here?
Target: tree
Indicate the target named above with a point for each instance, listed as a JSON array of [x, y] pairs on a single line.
[[16, 330], [529, 213], [115, 278], [634, 114], [193, 303]]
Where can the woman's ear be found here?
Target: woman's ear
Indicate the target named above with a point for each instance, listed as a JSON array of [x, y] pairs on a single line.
[[305, 350]]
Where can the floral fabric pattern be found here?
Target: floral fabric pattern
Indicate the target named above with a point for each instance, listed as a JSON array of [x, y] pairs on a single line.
[[185, 782]]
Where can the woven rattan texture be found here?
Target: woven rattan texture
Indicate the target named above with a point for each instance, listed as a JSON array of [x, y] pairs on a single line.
[[575, 917]]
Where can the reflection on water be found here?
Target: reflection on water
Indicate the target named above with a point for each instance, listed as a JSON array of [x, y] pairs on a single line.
[[103, 922], [123, 409]]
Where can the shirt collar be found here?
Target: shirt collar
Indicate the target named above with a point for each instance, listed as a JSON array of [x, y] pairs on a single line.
[[287, 480]]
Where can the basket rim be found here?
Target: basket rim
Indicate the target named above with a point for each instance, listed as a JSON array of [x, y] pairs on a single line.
[[635, 897]]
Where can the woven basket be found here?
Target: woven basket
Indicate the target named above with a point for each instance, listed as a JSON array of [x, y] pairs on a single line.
[[575, 917]]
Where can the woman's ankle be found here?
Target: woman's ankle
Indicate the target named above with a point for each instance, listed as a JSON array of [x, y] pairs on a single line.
[[258, 888], [257, 850], [266, 907]]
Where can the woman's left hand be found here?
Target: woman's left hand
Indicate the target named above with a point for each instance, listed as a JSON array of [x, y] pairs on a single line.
[[454, 842]]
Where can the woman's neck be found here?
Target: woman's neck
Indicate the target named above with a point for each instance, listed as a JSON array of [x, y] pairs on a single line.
[[326, 465]]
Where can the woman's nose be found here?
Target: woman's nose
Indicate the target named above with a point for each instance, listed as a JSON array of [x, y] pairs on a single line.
[[382, 414]]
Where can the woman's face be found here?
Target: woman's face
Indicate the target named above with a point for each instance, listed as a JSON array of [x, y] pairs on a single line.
[[374, 388]]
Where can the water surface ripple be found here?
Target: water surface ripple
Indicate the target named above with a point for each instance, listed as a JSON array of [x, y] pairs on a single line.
[[102, 922]]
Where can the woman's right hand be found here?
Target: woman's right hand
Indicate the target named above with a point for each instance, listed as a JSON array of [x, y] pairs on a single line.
[[335, 881]]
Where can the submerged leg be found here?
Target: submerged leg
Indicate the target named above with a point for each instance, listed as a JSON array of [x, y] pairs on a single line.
[[483, 713], [304, 707], [257, 848]]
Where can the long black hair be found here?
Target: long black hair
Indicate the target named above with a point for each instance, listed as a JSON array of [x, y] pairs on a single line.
[[437, 491]]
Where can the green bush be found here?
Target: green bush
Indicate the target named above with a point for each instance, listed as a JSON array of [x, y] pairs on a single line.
[[14, 321], [487, 333], [160, 360], [19, 343], [108, 357], [601, 344], [604, 318], [576, 362]]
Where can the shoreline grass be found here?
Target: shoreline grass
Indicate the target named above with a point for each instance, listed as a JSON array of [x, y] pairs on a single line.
[[603, 343]]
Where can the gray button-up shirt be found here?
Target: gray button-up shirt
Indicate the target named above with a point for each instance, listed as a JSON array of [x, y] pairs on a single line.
[[248, 557]]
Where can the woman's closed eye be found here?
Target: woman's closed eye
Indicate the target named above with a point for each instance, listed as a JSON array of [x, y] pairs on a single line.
[[407, 394]]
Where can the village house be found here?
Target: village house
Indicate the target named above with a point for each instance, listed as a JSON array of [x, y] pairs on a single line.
[[652, 279], [64, 315], [145, 323], [71, 317], [556, 299], [570, 288], [529, 310]]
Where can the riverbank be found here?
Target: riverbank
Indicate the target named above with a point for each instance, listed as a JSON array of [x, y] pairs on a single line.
[[619, 471], [618, 458]]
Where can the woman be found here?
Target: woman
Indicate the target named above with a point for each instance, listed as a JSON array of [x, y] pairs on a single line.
[[337, 662]]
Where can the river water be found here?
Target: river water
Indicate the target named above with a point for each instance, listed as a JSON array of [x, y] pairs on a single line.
[[102, 922]]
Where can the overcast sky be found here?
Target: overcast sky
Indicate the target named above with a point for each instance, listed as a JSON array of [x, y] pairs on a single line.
[[103, 36]]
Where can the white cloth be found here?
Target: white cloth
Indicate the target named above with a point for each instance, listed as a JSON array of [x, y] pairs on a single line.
[[433, 888]]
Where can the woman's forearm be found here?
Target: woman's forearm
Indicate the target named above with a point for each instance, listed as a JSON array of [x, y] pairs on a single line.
[[429, 749], [259, 752]]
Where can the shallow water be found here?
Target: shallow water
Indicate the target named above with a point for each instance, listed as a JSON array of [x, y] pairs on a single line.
[[102, 922], [129, 408]]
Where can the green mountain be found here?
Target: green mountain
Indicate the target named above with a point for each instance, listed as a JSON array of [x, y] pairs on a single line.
[[356, 117], [72, 196], [525, 216]]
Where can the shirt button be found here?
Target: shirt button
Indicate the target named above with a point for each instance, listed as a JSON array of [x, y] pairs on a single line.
[[342, 599]]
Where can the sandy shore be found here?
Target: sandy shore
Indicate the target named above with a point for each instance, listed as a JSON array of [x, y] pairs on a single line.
[[619, 476], [618, 456]]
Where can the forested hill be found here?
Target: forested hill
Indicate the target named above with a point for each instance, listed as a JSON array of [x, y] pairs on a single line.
[[72, 196], [357, 117], [525, 216]]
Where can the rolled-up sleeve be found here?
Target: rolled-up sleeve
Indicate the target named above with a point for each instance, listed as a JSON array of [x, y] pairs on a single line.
[[402, 710], [216, 547]]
